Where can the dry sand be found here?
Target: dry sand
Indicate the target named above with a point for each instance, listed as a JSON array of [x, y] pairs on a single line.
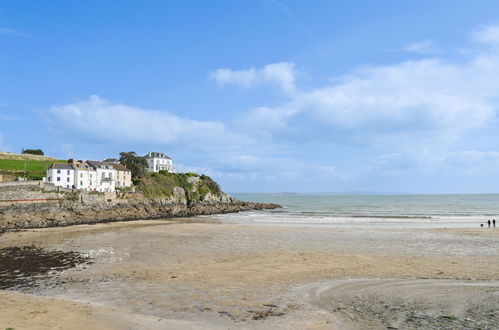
[[183, 274]]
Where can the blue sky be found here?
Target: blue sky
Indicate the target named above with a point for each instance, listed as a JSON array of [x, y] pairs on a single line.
[[264, 95]]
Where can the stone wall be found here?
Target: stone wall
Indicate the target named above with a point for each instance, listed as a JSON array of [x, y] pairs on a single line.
[[26, 191], [21, 183]]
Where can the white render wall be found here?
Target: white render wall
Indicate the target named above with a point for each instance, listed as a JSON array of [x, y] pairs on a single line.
[[106, 179], [86, 179], [61, 177], [155, 164]]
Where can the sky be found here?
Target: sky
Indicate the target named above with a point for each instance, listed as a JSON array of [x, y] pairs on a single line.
[[262, 95]]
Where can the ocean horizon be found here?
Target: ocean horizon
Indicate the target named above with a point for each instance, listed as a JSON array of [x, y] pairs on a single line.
[[407, 210]]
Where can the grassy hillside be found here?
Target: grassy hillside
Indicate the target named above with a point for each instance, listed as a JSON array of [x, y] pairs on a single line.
[[157, 185], [14, 165], [9, 155]]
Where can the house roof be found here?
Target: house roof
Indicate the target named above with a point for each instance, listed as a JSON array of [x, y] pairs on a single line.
[[60, 167], [82, 167], [153, 154], [120, 167], [98, 164], [111, 160]]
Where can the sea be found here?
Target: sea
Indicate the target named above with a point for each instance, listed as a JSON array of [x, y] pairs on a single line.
[[371, 210]]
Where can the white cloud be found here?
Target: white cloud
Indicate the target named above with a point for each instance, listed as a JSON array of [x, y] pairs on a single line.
[[426, 93], [421, 47], [428, 102], [11, 32], [99, 118], [280, 74], [8, 118], [472, 157], [488, 35]]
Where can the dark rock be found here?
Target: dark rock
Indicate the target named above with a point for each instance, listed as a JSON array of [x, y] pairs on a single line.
[[39, 215]]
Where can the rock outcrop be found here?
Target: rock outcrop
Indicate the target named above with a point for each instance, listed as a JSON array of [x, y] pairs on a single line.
[[87, 208]]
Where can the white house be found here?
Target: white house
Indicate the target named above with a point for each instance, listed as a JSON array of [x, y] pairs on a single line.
[[158, 161], [106, 176], [85, 176], [61, 175]]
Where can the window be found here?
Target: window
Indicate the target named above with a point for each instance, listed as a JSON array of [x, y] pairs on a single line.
[[49, 178], [67, 179], [81, 175], [58, 171], [68, 172], [58, 178]]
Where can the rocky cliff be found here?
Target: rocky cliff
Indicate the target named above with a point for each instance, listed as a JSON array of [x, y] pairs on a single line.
[[33, 206]]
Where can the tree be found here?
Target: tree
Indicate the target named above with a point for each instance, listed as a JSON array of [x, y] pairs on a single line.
[[136, 164], [33, 152]]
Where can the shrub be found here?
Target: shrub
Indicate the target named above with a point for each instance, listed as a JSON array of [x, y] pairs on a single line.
[[162, 184], [33, 152], [203, 190], [211, 184], [72, 196]]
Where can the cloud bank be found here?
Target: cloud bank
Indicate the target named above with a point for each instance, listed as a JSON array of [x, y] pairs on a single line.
[[99, 118], [418, 117]]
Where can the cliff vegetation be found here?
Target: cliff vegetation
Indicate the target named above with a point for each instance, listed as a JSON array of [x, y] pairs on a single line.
[[163, 185]]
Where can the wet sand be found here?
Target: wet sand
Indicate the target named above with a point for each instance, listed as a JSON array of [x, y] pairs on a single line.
[[204, 274]]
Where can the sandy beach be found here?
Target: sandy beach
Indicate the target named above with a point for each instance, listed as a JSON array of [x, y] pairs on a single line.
[[200, 273]]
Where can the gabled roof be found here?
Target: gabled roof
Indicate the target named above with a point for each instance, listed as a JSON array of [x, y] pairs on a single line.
[[111, 160], [97, 164], [153, 154], [82, 167], [60, 167], [120, 167]]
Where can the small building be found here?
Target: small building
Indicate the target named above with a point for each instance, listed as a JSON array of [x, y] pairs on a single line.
[[158, 161], [61, 175], [123, 176], [85, 176], [111, 160], [106, 176]]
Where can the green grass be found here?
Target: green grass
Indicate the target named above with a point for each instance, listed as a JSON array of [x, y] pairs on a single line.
[[157, 185], [35, 169]]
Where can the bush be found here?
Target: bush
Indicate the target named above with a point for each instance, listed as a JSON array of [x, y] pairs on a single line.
[[203, 190], [211, 184], [162, 184], [72, 197], [33, 152]]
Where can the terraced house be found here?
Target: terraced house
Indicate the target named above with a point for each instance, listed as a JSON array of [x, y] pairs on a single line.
[[61, 175], [90, 175]]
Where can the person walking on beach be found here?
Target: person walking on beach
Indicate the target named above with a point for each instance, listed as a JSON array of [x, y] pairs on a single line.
[[488, 221], [494, 222]]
